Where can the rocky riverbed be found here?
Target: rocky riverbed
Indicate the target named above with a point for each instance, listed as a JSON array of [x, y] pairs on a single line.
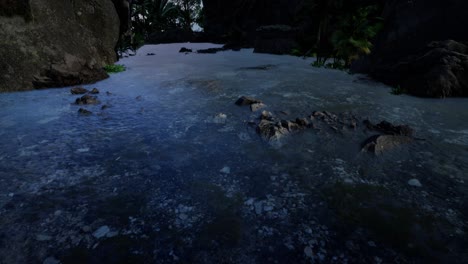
[[164, 167]]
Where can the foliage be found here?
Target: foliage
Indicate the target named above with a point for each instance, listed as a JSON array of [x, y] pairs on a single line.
[[150, 16], [296, 52], [190, 11], [318, 63], [398, 90], [354, 34], [115, 68]]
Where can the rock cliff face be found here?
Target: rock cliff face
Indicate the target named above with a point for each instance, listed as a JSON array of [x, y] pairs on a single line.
[[46, 43], [421, 48]]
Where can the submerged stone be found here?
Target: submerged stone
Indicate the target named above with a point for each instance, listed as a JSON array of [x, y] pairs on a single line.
[[380, 144], [101, 232], [78, 90], [245, 100], [415, 183]]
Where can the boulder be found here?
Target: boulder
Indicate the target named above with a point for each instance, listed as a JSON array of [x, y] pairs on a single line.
[[78, 90], [245, 100], [210, 50], [86, 100], [275, 39], [271, 130], [37, 49], [256, 106], [390, 129], [184, 50], [439, 70], [379, 144], [422, 48], [94, 91], [83, 111]]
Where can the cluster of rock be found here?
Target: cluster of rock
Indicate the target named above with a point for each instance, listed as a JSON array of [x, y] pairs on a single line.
[[271, 128], [86, 99]]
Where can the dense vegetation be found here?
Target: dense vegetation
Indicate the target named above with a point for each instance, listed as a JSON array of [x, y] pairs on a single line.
[[156, 16], [338, 29]]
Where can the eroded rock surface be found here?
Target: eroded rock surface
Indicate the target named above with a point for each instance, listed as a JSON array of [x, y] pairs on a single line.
[[38, 48]]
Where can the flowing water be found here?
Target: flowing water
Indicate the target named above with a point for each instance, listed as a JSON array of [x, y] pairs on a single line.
[[156, 177]]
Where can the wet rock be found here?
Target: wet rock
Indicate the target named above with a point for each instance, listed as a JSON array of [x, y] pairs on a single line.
[[302, 122], [378, 144], [104, 107], [258, 207], [185, 50], [210, 50], [266, 115], [94, 91], [308, 252], [289, 125], [86, 100], [86, 229], [101, 232], [256, 106], [42, 237], [390, 129], [83, 111], [150, 54], [259, 67], [245, 100], [51, 260], [414, 183], [220, 118], [225, 170], [78, 90], [271, 130]]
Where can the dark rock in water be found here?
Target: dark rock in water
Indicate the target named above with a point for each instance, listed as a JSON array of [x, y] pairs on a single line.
[[184, 50], [291, 126], [256, 106], [260, 67], [378, 144], [210, 50], [245, 100], [104, 107], [139, 98], [390, 129], [302, 122], [59, 60], [87, 99], [271, 130], [275, 39], [94, 91], [266, 115], [83, 111], [78, 90], [150, 54], [108, 93]]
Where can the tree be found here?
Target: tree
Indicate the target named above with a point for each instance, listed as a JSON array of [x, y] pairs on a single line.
[[354, 34], [189, 12]]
